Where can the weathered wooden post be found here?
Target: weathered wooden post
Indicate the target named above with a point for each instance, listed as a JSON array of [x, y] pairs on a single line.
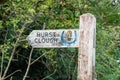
[[86, 50]]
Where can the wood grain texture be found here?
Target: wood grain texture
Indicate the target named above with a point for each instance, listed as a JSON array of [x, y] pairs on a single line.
[[86, 53]]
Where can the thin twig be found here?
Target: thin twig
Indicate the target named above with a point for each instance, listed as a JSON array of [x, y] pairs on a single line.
[[37, 59], [12, 74], [2, 65], [11, 78], [9, 60], [69, 67], [49, 75], [28, 64], [3, 56]]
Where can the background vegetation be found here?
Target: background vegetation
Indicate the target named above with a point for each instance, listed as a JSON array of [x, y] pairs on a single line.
[[19, 17]]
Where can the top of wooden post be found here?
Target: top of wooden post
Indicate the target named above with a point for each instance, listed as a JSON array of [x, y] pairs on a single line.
[[87, 19]]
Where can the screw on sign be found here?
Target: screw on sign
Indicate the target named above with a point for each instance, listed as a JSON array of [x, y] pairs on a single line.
[[82, 38]]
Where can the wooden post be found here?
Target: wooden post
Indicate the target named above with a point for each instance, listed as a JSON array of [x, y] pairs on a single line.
[[86, 50]]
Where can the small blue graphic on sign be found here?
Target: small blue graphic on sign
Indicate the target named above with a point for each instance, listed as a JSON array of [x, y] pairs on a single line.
[[68, 39]]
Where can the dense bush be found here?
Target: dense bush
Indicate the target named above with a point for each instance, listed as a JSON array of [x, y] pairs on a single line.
[[19, 17]]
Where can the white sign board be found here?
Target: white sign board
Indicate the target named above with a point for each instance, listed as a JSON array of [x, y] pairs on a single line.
[[53, 38]]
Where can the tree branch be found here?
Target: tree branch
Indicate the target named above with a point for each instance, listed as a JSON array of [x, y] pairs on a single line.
[[12, 74], [28, 64], [49, 75], [37, 59], [13, 51]]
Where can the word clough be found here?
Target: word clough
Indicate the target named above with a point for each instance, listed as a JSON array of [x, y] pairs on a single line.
[[46, 37], [53, 38]]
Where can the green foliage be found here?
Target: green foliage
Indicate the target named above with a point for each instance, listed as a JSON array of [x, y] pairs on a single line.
[[19, 17]]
